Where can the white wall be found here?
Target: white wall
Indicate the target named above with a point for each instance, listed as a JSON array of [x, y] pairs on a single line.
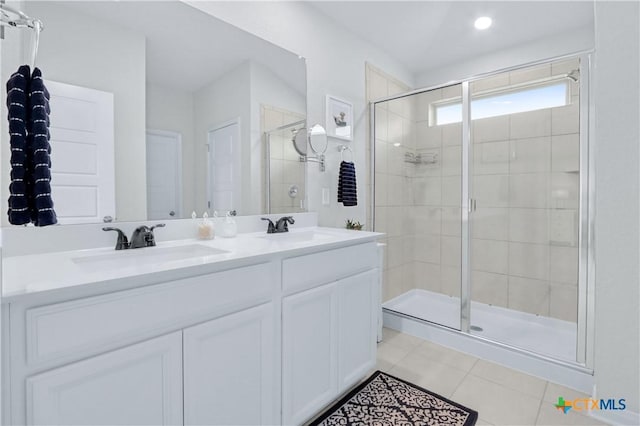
[[171, 109], [616, 95], [550, 47], [219, 102], [267, 89], [106, 58], [335, 65]]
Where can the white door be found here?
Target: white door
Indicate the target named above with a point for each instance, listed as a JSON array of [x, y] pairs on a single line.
[[230, 370], [309, 352], [138, 385], [82, 165], [164, 175], [358, 317], [224, 167]]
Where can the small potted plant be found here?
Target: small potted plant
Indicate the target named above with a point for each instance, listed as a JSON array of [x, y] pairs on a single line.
[[353, 224]]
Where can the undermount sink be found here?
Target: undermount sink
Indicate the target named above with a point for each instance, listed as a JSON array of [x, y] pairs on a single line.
[[298, 236], [150, 255]]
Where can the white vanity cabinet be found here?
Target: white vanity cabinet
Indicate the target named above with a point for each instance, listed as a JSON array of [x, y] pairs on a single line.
[[271, 340], [309, 352], [328, 331], [231, 372], [140, 384]]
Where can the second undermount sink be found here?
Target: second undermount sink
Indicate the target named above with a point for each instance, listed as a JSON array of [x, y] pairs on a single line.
[[149, 255]]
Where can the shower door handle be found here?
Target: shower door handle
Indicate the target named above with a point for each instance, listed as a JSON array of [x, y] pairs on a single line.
[[472, 205]]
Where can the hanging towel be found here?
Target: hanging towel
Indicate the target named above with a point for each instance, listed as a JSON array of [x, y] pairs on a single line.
[[347, 190], [17, 106], [28, 113], [39, 153]]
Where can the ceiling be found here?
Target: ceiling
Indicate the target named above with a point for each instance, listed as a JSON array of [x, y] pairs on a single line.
[[188, 49], [423, 35]]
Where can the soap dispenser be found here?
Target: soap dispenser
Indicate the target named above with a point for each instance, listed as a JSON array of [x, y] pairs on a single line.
[[205, 229], [229, 228]]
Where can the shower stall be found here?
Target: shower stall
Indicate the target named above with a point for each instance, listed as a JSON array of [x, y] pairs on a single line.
[[482, 190]]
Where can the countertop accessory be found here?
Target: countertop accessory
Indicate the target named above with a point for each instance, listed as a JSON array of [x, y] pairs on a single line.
[[205, 229]]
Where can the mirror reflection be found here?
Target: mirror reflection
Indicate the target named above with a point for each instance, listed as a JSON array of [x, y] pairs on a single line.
[[159, 109]]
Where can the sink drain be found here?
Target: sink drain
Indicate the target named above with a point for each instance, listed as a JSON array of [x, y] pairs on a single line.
[[475, 328]]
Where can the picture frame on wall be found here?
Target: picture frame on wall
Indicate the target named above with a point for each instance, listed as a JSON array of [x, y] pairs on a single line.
[[339, 118]]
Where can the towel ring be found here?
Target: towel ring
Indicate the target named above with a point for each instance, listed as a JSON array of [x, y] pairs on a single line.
[[342, 149]]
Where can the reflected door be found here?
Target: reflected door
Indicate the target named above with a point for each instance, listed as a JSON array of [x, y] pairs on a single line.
[[164, 175], [82, 156]]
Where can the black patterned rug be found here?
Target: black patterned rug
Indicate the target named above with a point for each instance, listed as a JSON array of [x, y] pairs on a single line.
[[384, 400]]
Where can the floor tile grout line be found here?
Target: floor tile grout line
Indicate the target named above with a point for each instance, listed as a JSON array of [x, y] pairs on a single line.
[[465, 378], [542, 401], [509, 387]]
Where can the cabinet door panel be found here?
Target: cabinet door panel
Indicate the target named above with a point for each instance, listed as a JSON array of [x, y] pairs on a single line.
[[357, 325], [140, 384], [230, 370], [310, 337]]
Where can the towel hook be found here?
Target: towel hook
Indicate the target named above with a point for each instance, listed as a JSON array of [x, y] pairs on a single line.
[[37, 28], [342, 149]]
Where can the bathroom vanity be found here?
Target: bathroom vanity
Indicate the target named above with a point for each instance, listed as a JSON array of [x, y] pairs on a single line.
[[258, 329]]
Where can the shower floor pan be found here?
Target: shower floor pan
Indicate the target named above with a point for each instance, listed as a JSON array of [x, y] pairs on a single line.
[[542, 335]]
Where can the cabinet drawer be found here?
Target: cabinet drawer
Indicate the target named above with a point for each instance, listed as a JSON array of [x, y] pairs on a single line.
[[304, 272], [85, 326]]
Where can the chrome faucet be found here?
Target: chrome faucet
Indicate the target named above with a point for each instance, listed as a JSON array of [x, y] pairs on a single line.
[[281, 224], [142, 237]]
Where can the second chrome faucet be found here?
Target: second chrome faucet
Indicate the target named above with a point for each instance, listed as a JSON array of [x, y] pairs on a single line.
[[142, 237]]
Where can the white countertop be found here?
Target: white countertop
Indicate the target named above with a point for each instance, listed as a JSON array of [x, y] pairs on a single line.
[[35, 274]]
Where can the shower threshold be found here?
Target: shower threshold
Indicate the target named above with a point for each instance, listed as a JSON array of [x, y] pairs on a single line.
[[542, 335], [540, 346]]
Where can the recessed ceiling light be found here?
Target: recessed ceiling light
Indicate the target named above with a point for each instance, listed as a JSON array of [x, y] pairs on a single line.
[[396, 144], [482, 23]]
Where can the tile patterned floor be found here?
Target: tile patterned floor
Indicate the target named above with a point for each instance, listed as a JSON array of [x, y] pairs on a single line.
[[501, 396]]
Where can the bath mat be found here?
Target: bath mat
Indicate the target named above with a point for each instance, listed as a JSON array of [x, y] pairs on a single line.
[[384, 400]]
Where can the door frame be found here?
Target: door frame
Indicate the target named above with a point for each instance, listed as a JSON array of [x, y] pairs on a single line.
[[178, 137], [237, 157]]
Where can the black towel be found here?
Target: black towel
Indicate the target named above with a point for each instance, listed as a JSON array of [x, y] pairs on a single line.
[[42, 213], [30, 188], [347, 190], [17, 106]]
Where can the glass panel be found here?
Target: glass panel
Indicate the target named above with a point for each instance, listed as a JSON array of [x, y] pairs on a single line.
[[417, 204], [524, 232], [286, 183]]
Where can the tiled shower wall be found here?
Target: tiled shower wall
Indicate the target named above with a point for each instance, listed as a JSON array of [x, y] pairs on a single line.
[[394, 125], [285, 166], [525, 179]]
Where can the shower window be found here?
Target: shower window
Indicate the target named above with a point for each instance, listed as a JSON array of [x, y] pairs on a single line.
[[494, 103]]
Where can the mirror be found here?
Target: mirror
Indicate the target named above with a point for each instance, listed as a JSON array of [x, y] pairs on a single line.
[[300, 141], [318, 139], [157, 110]]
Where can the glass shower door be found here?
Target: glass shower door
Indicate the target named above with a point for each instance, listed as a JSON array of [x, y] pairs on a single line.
[[524, 178], [418, 181]]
